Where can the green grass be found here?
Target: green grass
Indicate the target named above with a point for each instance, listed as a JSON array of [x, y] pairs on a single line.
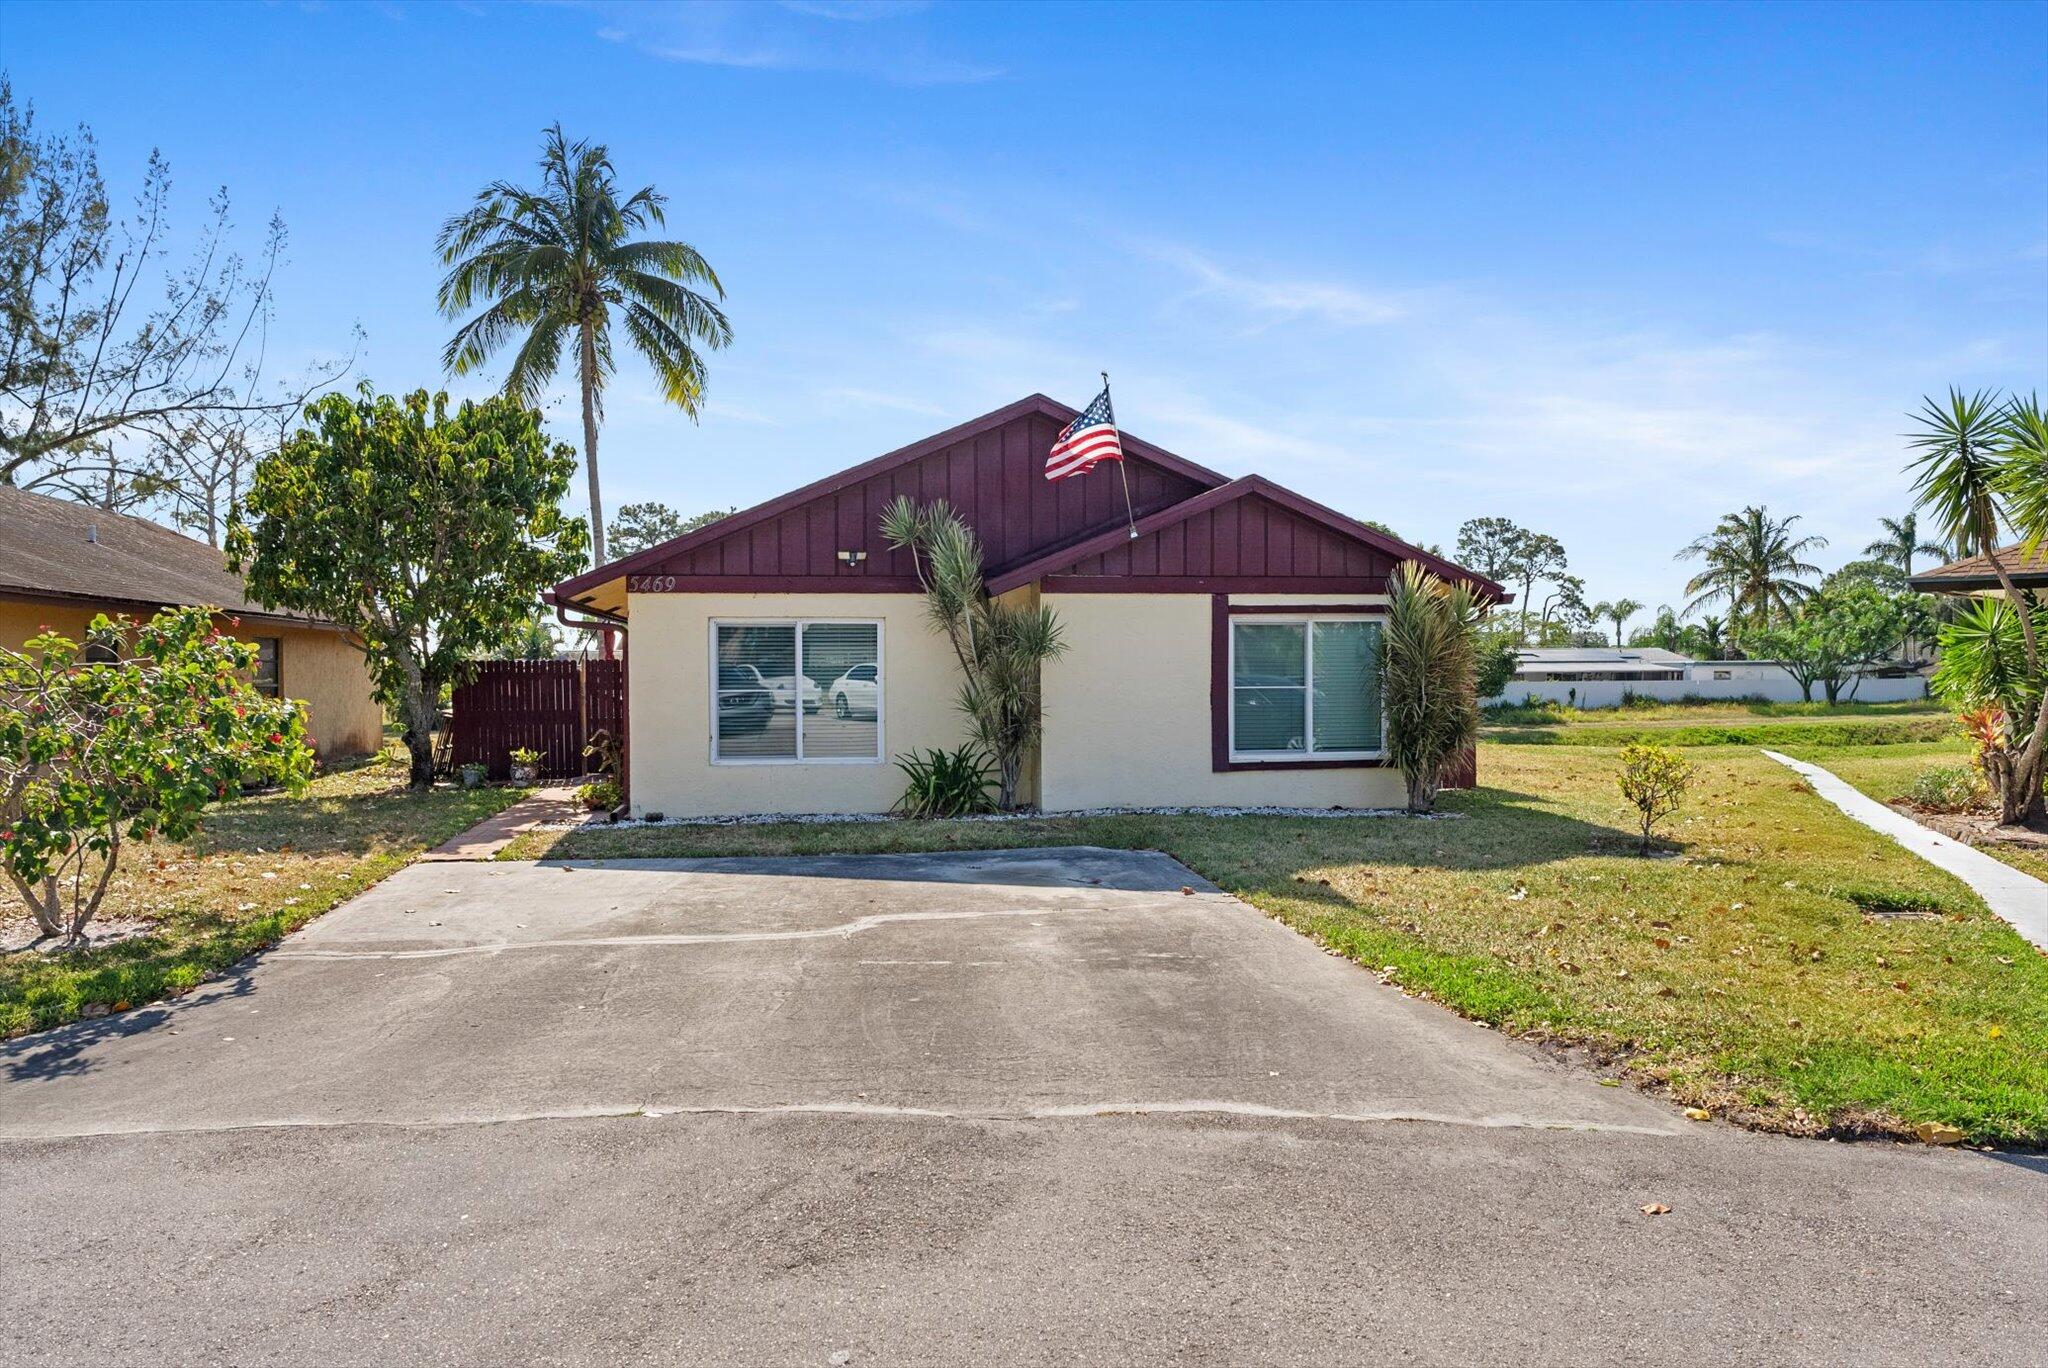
[[1693, 711], [260, 868], [1887, 772], [1748, 975], [1843, 731]]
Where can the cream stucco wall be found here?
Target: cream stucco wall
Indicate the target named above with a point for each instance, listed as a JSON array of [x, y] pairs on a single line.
[[317, 667], [1127, 720], [668, 662]]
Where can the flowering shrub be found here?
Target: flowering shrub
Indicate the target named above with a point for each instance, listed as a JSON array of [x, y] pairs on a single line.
[[1654, 780], [93, 753]]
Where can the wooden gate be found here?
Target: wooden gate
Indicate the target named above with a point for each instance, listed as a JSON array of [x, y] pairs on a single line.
[[551, 706]]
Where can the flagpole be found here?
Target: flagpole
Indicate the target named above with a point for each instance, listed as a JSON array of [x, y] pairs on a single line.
[[1129, 512]]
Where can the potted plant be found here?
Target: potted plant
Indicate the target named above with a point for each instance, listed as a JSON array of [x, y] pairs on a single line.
[[525, 765], [474, 773]]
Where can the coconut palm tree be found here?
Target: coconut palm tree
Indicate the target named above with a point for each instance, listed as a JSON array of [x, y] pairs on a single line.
[[1900, 543], [1753, 564], [1710, 635], [554, 266], [1617, 612]]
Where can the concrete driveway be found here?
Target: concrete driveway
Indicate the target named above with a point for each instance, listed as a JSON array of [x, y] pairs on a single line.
[[1038, 1106]]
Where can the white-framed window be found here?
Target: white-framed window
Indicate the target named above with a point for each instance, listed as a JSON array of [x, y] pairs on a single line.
[[1305, 688], [796, 692]]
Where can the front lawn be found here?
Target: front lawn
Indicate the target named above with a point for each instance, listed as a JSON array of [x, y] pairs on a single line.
[[1886, 773], [258, 869], [1789, 968]]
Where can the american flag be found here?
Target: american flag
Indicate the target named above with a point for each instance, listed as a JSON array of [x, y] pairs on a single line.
[[1088, 439]]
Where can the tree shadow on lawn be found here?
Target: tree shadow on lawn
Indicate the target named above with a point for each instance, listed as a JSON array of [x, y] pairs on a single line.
[[341, 824]]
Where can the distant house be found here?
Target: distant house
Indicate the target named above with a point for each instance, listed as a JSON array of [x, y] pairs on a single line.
[[1603, 676], [1577, 664], [62, 564], [1222, 651]]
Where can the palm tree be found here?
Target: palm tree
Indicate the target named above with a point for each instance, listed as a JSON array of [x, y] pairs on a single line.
[[1753, 564], [1618, 612], [1710, 634], [1901, 542], [554, 266]]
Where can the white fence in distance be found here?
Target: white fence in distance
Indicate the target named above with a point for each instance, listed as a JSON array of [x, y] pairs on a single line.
[[1778, 688]]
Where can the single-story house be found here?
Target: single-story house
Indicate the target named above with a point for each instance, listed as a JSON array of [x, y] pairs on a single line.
[[1605, 677], [63, 563], [1219, 652], [1578, 664]]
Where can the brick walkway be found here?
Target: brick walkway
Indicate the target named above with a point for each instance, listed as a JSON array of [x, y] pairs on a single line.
[[556, 803]]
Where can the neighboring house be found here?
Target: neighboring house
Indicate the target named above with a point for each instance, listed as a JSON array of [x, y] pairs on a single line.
[[63, 563], [1225, 654], [1976, 575], [1603, 676], [1578, 664]]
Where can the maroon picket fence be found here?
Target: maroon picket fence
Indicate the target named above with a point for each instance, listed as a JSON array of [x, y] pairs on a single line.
[[551, 706]]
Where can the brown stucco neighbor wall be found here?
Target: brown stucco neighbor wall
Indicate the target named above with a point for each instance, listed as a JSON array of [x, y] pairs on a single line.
[[316, 664]]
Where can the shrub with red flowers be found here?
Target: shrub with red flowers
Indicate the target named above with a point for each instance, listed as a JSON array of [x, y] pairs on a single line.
[[97, 752]]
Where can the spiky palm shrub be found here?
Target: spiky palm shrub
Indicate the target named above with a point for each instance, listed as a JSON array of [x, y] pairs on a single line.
[[1428, 664], [999, 646]]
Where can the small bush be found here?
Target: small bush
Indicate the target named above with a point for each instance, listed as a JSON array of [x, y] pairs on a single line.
[[600, 795], [1948, 788], [953, 783], [1654, 780]]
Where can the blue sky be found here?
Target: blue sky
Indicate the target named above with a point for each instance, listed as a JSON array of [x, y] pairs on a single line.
[[1609, 271]]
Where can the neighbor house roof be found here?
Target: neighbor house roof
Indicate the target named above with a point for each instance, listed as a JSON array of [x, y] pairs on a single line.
[[1974, 574], [825, 537], [1601, 657], [57, 551]]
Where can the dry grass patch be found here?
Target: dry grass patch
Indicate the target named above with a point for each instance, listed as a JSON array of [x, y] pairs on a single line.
[[1782, 965], [260, 867]]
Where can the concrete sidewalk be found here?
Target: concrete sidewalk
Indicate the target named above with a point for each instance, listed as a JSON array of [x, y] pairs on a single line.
[[2019, 898]]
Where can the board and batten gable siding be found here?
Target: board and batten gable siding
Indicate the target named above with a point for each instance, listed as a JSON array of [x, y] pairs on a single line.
[[1128, 715], [669, 679], [994, 478], [1252, 540]]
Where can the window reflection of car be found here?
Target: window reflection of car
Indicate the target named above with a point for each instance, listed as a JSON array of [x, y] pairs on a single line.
[[744, 704], [857, 693], [1263, 695], [783, 689]]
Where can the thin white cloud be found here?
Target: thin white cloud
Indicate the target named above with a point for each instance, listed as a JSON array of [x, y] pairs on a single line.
[[870, 41], [1276, 298], [866, 398]]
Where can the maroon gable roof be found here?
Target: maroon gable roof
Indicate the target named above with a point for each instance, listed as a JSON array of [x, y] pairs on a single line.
[[1198, 532], [991, 470], [1251, 536]]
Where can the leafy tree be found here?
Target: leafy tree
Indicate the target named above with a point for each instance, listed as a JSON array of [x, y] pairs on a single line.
[[529, 639], [1653, 780], [1880, 575], [1837, 634], [553, 266], [427, 534], [1899, 544], [1665, 631], [999, 646], [638, 526], [1754, 566], [103, 350], [1490, 546], [1539, 557], [95, 753], [1983, 466], [1566, 604], [1498, 654], [1428, 677]]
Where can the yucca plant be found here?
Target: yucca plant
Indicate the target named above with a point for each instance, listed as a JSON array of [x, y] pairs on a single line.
[[999, 646], [947, 783], [1428, 664]]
